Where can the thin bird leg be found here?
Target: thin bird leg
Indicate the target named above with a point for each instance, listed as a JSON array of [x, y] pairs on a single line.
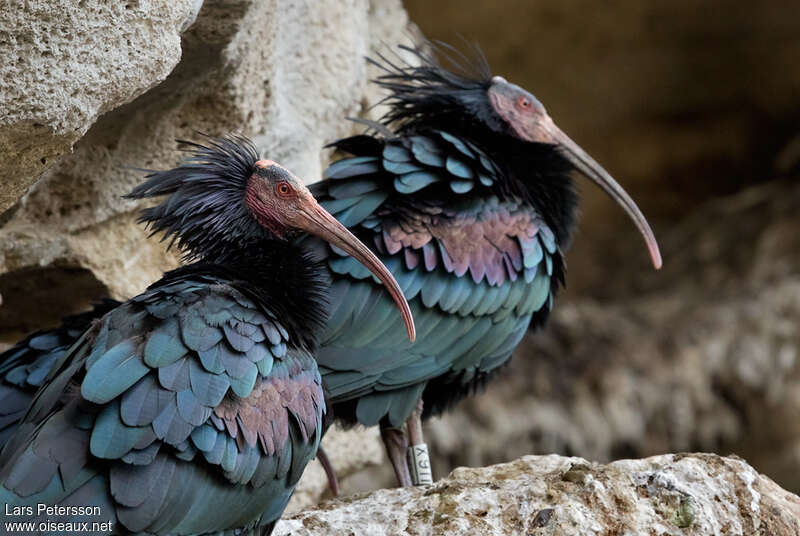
[[418, 459], [330, 472], [394, 439], [414, 425]]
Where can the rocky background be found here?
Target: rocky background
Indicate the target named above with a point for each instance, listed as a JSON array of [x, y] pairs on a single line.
[[691, 105]]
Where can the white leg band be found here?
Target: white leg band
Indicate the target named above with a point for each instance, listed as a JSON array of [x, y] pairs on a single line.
[[420, 464]]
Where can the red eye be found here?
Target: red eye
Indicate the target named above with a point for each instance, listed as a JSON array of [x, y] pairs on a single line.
[[524, 103], [284, 189]]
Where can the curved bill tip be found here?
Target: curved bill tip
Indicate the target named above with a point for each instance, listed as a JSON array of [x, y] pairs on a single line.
[[655, 254], [595, 172]]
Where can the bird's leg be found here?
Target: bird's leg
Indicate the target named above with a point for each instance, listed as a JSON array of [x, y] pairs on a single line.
[[418, 458], [396, 446], [330, 472]]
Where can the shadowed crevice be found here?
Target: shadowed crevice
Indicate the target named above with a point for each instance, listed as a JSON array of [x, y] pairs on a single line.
[[62, 290]]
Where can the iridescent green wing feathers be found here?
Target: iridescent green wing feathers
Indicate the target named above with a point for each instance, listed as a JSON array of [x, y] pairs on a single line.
[[474, 269], [185, 372]]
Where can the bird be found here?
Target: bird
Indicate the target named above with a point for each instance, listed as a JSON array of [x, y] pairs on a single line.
[[193, 407], [464, 189]]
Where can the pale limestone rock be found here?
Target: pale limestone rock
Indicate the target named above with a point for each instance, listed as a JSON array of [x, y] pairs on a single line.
[[64, 63], [673, 494]]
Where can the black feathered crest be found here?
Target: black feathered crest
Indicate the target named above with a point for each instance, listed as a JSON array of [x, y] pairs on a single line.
[[429, 92], [204, 212]]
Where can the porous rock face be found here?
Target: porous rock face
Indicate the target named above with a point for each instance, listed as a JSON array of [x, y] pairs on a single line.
[[64, 63], [675, 494]]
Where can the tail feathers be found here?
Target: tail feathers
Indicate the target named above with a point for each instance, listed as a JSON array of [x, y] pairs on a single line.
[[102, 519], [89, 503], [38, 455]]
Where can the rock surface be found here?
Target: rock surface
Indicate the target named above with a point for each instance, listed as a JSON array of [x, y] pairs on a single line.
[[64, 63], [553, 495]]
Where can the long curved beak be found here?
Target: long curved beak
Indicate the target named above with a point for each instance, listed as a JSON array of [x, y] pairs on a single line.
[[316, 220], [594, 171]]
